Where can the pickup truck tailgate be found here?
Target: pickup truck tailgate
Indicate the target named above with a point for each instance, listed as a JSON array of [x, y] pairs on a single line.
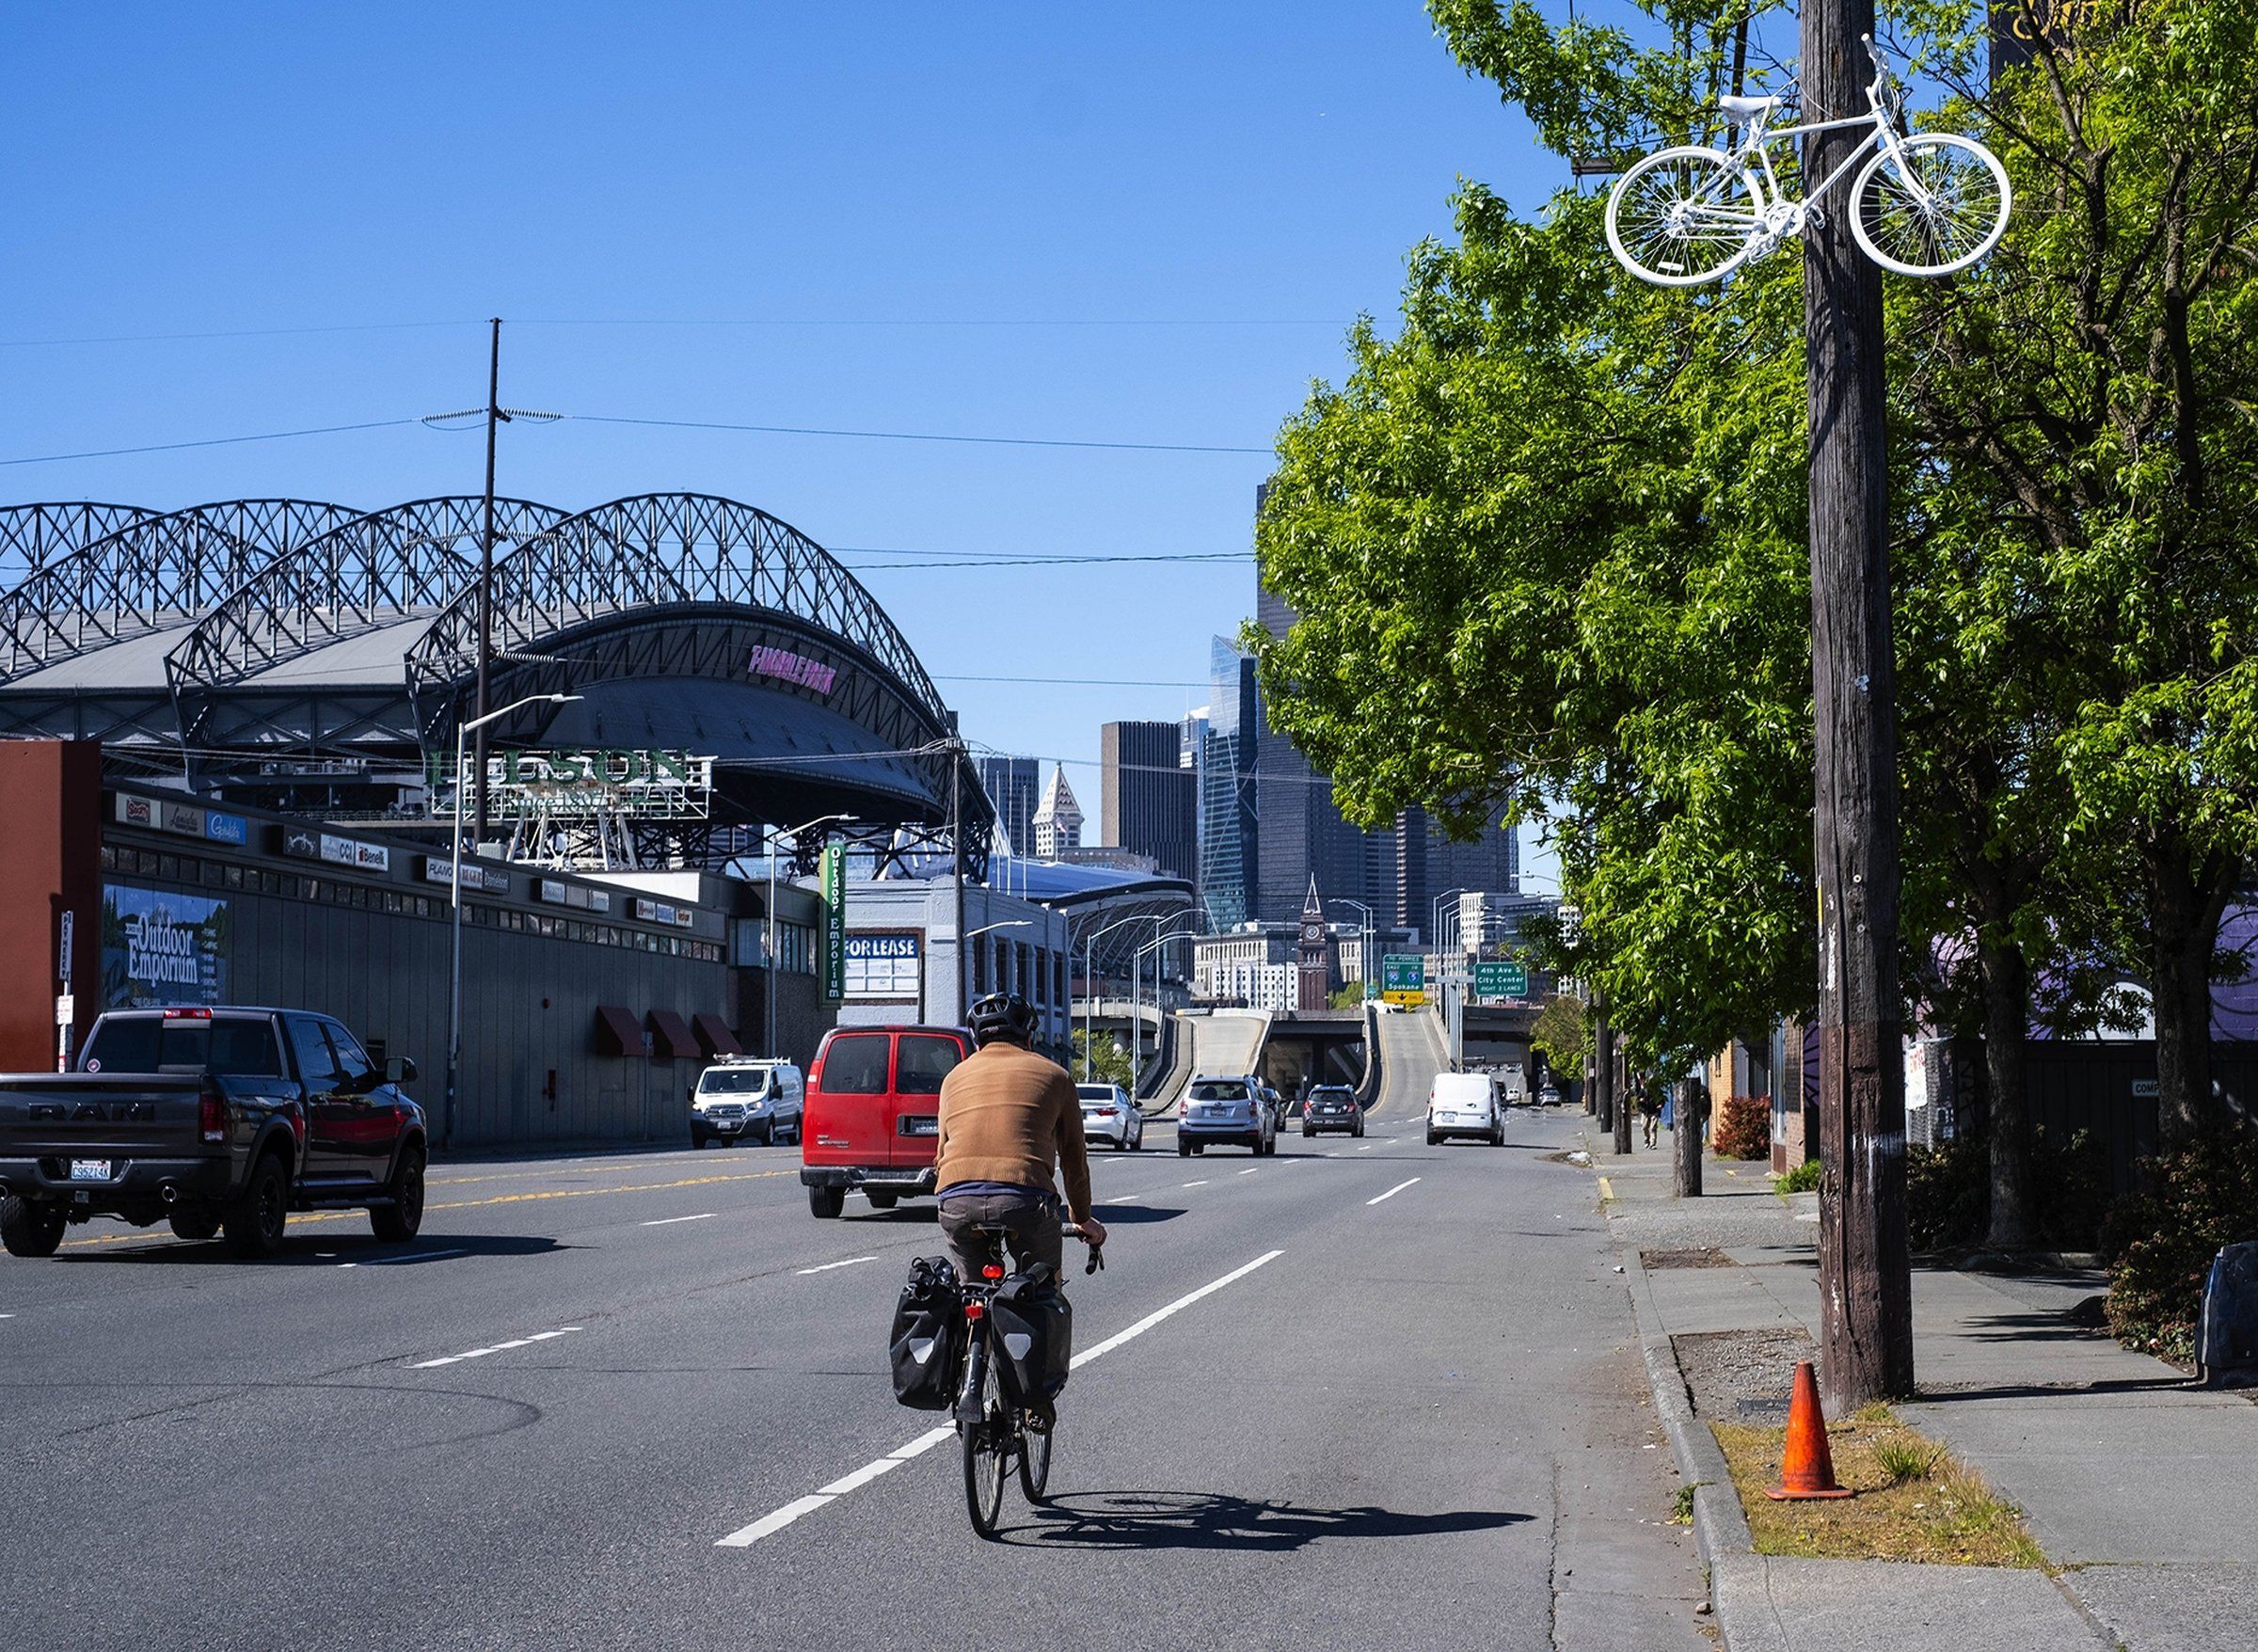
[[87, 1114]]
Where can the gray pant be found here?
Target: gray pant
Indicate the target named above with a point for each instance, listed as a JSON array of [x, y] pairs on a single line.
[[1032, 1221]]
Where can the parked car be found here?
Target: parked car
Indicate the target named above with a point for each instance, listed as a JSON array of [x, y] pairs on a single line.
[[1548, 1096], [1109, 1116], [219, 1118], [1464, 1104], [873, 1117], [747, 1100], [1332, 1106], [1227, 1110]]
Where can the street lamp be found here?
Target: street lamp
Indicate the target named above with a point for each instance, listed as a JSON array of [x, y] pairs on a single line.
[[454, 896], [971, 935], [1137, 974], [1090, 978], [767, 842], [1363, 937]]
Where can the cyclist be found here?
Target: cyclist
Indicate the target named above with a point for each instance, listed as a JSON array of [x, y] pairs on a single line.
[[1007, 1116]]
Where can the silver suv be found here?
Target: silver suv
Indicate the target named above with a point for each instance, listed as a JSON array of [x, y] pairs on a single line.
[[1227, 1110]]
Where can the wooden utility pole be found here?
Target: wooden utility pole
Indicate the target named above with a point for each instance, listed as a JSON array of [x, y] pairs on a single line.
[[1865, 1279], [1627, 1107], [1685, 1139], [1603, 1063]]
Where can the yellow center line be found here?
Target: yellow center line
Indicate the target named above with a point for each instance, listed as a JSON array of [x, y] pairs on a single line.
[[305, 1217]]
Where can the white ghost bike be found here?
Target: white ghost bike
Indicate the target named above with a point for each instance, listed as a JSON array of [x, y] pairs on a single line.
[[1924, 205]]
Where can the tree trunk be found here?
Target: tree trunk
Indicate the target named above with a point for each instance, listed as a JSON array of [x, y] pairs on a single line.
[[1685, 1141], [2187, 897], [1603, 1064], [1866, 1281], [1627, 1109], [2006, 1025]]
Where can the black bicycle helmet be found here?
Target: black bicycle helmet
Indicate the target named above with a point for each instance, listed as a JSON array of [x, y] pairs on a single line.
[[1002, 1015]]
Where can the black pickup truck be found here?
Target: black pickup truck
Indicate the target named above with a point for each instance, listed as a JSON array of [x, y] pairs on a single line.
[[214, 1119]]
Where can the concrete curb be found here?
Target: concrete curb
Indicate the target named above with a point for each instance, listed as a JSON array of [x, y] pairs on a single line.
[[1739, 1596]]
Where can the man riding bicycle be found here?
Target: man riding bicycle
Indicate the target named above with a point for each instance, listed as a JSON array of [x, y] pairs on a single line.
[[1007, 1116]]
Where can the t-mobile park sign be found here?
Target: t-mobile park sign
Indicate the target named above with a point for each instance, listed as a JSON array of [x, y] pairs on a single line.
[[782, 665]]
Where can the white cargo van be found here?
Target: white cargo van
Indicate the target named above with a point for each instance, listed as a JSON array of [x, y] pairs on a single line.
[[1465, 1103], [747, 1100]]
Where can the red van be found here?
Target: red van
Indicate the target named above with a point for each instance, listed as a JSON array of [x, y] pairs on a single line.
[[873, 1118]]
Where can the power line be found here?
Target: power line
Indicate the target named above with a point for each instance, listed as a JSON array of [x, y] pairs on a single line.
[[366, 326], [210, 442], [1046, 562], [1075, 682], [998, 441]]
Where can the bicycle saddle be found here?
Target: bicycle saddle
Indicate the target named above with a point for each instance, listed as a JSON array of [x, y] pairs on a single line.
[[1747, 109]]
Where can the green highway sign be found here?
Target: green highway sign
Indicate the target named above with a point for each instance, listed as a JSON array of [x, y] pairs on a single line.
[[1404, 977], [1501, 980]]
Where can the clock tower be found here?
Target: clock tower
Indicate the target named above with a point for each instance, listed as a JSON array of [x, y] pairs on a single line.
[[1312, 955]]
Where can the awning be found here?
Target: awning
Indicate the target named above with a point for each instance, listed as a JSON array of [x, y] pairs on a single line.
[[671, 1037], [618, 1033], [714, 1035]]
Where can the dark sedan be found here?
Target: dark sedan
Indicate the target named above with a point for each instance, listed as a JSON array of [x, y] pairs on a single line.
[[1332, 1106]]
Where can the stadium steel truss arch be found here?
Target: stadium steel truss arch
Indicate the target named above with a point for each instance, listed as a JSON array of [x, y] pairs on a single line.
[[313, 657]]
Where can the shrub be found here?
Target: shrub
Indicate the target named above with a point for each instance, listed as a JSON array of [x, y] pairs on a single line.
[[1743, 1129], [2162, 1236], [1947, 1193], [1803, 1179]]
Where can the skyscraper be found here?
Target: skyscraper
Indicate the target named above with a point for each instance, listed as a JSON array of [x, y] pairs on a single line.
[[1147, 799], [1012, 785], [1229, 850], [1058, 820]]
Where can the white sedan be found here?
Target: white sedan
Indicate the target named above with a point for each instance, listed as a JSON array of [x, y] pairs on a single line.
[[1109, 1116]]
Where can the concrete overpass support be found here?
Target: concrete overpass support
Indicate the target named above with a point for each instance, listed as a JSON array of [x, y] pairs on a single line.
[[1220, 1042]]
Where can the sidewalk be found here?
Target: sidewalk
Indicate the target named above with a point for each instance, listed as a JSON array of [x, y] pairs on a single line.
[[2144, 1493]]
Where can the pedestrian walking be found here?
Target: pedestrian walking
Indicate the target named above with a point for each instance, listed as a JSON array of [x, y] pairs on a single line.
[[1650, 1108]]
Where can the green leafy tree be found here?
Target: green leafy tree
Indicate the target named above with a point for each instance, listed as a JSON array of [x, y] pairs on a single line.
[[1561, 1037], [1104, 1059]]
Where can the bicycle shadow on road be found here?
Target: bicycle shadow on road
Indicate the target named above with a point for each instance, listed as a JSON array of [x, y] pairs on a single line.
[[158, 1250], [1198, 1519]]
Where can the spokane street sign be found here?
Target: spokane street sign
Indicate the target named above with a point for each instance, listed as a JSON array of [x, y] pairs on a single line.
[[1404, 977]]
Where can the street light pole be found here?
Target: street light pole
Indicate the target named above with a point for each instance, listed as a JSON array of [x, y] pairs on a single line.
[[1364, 939], [485, 577], [454, 896], [1090, 982]]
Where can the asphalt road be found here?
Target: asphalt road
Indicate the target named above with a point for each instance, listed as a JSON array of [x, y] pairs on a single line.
[[1407, 1410]]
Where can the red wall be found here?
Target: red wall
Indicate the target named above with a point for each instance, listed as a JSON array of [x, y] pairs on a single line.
[[50, 848]]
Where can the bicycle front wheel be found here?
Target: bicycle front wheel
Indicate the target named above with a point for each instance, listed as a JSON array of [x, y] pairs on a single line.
[[987, 1448], [1035, 1464], [1936, 206], [1683, 216]]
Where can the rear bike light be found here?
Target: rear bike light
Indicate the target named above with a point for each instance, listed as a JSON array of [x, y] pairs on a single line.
[[976, 1310], [990, 1271]]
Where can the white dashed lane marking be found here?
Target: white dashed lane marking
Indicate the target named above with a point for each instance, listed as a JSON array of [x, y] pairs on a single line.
[[1201, 1182], [669, 1221], [770, 1524], [1392, 1191], [497, 1349], [1250, 1171], [826, 1267]]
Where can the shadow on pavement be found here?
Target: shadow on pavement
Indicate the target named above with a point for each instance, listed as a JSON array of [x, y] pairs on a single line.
[[1945, 1393], [330, 1250], [1135, 1214], [1195, 1520]]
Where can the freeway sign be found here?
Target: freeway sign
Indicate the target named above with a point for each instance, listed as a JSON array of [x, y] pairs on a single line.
[[1501, 980], [1404, 977]]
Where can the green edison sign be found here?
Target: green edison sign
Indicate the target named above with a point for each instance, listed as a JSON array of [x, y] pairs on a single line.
[[1501, 980], [834, 886]]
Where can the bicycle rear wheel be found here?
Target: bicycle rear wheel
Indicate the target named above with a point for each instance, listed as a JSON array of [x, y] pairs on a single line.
[[1035, 1464], [987, 1448], [1936, 206], [1683, 216]]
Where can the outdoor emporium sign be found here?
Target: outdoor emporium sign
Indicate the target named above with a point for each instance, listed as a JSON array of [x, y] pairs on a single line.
[[833, 882], [162, 949], [590, 781]]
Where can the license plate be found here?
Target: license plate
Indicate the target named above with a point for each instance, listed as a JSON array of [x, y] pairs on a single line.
[[921, 1127], [89, 1169]]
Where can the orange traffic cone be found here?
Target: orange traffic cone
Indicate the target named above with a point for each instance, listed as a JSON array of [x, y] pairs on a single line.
[[1808, 1470]]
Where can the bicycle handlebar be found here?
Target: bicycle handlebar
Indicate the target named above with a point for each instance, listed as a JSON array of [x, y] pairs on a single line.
[[1097, 1250]]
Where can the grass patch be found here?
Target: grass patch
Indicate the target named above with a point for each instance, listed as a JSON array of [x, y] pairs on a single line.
[[1803, 1179], [1681, 1506], [1916, 1501]]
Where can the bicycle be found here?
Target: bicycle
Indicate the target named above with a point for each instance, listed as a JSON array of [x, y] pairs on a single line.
[[991, 1431], [1927, 204]]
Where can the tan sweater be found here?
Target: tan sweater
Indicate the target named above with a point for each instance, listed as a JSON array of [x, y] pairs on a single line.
[[1006, 1115]]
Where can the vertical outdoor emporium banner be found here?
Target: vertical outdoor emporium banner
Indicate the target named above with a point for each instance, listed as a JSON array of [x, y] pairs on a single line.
[[162, 948], [834, 885]]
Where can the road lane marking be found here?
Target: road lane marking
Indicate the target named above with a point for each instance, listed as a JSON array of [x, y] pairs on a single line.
[[1249, 1173], [1392, 1191], [466, 1204], [497, 1349], [1366, 1148], [1201, 1182], [770, 1524], [669, 1221], [826, 1267]]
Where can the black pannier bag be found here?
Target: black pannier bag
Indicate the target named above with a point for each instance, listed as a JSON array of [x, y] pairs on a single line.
[[928, 1343], [1035, 1328]]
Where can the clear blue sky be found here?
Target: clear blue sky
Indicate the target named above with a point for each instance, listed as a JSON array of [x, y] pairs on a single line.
[[1146, 223]]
